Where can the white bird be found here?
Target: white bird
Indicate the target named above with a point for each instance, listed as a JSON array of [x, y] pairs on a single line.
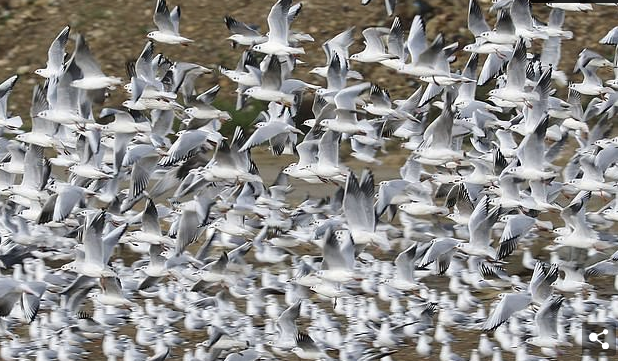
[[374, 47], [168, 24], [278, 34], [92, 76], [55, 55], [28, 294], [546, 323]]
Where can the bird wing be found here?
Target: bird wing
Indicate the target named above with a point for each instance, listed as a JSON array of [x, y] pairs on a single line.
[[175, 19], [188, 230], [433, 55], [550, 54], [150, 219], [264, 133], [278, 22], [84, 59], [162, 17], [546, 318], [55, 54], [339, 44], [333, 257], [140, 174], [110, 240], [492, 66], [439, 133], [358, 202], [238, 27], [531, 151], [556, 18], [209, 95], [93, 240], [346, 97], [516, 227], [404, 263], [271, 78], [287, 320], [417, 40], [395, 40], [68, 198], [508, 305], [520, 12], [476, 20], [5, 89], [379, 97], [611, 38], [111, 286], [516, 68], [373, 39], [328, 148]]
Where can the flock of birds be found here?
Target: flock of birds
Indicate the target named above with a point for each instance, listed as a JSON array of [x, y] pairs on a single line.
[[117, 230]]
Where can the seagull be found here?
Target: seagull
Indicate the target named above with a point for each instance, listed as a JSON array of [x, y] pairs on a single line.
[[28, 294], [242, 33], [203, 108], [338, 264], [532, 166], [546, 320], [374, 47], [112, 293], [588, 64], [436, 148], [508, 304], [306, 348], [359, 211], [221, 340], [270, 88], [514, 91], [479, 226], [9, 122], [55, 55], [404, 279], [93, 263], [93, 78], [168, 24], [380, 103], [271, 129], [279, 27], [338, 47], [516, 228], [440, 253], [523, 21], [327, 167], [428, 62], [605, 267]]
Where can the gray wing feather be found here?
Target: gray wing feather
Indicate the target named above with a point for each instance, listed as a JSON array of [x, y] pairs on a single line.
[[55, 54], [162, 18], [508, 305], [278, 22], [84, 59], [476, 20]]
